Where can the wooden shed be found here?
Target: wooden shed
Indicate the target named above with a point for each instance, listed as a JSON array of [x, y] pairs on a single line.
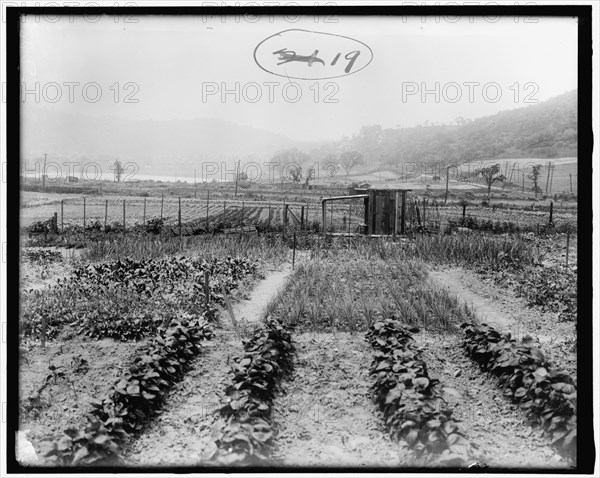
[[385, 209]]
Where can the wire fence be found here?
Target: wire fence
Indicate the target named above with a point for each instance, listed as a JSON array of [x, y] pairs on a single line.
[[347, 216], [103, 213]]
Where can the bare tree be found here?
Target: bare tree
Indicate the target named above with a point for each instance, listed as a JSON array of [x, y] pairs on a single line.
[[534, 175], [349, 159], [118, 167], [490, 175], [310, 175], [295, 173]]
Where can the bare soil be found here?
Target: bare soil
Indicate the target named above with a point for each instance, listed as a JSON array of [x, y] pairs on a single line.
[[499, 307], [493, 424], [183, 432], [326, 417], [64, 402]]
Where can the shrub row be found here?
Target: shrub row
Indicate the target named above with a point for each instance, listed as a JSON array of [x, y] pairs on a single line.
[[549, 396], [413, 406], [246, 438], [134, 398]]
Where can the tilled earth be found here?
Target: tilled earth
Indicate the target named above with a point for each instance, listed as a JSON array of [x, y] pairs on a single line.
[[326, 416], [181, 434], [493, 424]]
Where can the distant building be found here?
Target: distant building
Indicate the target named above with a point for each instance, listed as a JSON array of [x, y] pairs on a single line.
[[73, 179]]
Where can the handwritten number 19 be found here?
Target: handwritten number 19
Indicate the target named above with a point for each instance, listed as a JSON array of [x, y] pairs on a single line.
[[352, 56]]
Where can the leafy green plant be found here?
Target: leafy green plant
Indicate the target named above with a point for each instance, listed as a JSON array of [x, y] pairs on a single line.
[[548, 396], [246, 438], [412, 404], [135, 397]]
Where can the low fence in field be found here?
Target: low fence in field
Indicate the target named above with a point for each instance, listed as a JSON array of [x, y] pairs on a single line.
[[422, 213]]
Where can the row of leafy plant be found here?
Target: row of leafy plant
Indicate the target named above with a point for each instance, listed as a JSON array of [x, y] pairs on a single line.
[[41, 256], [509, 227], [129, 300], [134, 398], [247, 436], [413, 406], [549, 396], [551, 288]]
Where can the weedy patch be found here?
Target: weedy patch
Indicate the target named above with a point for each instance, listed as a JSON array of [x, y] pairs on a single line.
[[549, 396]]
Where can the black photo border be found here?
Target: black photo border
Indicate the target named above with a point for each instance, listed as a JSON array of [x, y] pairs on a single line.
[[585, 443]]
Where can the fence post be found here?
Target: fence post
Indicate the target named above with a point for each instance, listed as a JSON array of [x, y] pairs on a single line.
[[568, 240], [331, 217], [285, 216], [307, 212], [294, 252], [269, 221], [551, 210], [301, 218], [62, 215], [571, 181], [464, 210], [403, 219], [179, 220], [105, 213], [162, 201], [84, 216], [43, 330], [447, 178], [55, 223], [144, 219], [206, 289], [242, 215], [207, 207], [350, 218], [124, 221]]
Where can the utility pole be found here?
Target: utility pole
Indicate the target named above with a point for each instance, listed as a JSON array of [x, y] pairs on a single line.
[[571, 181], [548, 177], [447, 177], [44, 174], [237, 175]]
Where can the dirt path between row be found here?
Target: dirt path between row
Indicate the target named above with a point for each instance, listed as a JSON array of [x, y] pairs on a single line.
[[253, 309], [492, 423], [502, 309], [182, 435], [326, 416]]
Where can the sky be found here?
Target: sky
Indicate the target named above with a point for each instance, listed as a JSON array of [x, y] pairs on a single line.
[[178, 67]]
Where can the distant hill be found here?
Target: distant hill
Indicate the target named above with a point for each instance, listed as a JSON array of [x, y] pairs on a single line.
[[158, 145], [545, 130]]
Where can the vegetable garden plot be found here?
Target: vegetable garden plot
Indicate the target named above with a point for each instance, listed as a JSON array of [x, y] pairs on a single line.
[[129, 286], [548, 396], [325, 416], [411, 401], [496, 426], [129, 300]]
